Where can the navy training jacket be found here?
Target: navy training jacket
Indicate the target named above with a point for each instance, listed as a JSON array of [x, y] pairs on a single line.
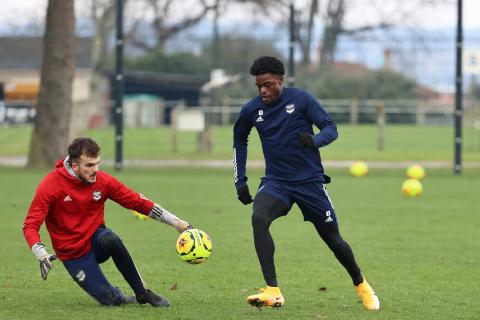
[[278, 126]]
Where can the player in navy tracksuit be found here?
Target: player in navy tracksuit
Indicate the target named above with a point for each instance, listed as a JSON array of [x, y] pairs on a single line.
[[294, 173]]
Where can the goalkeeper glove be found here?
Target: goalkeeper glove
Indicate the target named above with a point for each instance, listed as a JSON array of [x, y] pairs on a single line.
[[306, 139], [244, 195], [182, 226], [45, 259]]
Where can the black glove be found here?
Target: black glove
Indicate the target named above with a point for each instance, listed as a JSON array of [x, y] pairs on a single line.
[[244, 195], [326, 179], [306, 139]]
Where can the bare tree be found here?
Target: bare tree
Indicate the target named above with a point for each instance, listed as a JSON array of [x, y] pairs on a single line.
[[304, 16], [162, 24], [51, 126], [102, 13], [334, 19], [304, 30], [333, 27]]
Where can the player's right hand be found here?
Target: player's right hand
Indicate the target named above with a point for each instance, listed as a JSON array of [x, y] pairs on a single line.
[[45, 259], [182, 226], [306, 139], [244, 195], [46, 265]]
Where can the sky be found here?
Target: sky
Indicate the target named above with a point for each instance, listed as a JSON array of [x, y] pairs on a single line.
[[435, 16], [431, 15]]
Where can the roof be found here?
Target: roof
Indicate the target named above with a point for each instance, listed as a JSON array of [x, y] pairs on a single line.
[[350, 68], [169, 86], [26, 52]]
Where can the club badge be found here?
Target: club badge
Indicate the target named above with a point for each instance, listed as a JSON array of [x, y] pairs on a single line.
[[81, 276], [260, 114], [97, 195], [290, 108]]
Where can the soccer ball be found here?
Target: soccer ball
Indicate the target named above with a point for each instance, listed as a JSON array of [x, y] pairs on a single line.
[[415, 171], [412, 188], [140, 216], [358, 169], [194, 246]]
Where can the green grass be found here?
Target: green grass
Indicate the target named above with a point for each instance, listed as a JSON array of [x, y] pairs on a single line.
[[421, 255], [402, 142]]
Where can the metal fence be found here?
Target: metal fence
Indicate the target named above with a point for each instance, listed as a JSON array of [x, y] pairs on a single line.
[[387, 130], [387, 133]]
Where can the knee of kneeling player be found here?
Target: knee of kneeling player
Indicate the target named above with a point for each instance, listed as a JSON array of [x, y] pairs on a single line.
[[110, 241]]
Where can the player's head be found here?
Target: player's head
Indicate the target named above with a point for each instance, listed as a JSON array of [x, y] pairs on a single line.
[[84, 156], [268, 72]]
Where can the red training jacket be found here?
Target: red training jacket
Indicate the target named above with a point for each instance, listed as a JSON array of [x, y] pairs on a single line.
[[73, 210]]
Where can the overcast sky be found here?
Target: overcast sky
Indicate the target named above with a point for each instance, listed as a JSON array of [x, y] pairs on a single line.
[[440, 15]]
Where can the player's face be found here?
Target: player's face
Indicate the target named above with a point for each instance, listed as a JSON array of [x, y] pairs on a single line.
[[87, 168], [269, 86]]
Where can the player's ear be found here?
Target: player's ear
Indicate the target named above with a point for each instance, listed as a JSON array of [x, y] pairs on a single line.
[[75, 167]]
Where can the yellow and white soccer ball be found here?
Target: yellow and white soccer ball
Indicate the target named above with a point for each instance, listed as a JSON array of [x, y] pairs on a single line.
[[359, 169], [412, 188], [415, 171], [194, 246]]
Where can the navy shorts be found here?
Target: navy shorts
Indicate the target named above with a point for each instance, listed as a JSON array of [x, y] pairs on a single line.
[[311, 197]]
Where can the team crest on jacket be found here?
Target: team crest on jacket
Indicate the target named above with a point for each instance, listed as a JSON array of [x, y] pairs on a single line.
[[260, 114], [290, 108], [97, 195]]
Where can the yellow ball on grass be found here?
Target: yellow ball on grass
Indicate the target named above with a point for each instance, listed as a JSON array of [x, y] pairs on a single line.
[[415, 171], [412, 188], [359, 169], [140, 216]]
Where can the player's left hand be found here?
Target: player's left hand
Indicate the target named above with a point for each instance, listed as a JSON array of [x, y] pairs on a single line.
[[306, 139], [244, 195], [182, 226]]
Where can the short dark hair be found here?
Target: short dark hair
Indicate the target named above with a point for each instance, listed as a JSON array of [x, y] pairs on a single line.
[[84, 146], [267, 64]]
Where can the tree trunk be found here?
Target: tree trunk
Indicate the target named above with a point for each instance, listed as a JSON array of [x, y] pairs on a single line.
[[306, 44], [332, 29], [52, 121]]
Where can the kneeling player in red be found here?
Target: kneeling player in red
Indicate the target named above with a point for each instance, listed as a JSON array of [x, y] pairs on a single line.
[[70, 200]]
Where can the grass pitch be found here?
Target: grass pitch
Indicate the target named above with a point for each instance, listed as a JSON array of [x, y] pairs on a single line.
[[421, 255], [402, 143]]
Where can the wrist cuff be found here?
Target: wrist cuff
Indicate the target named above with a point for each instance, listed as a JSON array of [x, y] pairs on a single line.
[[161, 214], [40, 251]]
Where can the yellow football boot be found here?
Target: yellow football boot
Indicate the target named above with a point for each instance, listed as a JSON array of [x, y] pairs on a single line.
[[269, 296], [368, 296]]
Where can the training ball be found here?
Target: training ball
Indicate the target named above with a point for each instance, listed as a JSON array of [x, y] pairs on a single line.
[[415, 171], [140, 216], [194, 246], [412, 188], [358, 169]]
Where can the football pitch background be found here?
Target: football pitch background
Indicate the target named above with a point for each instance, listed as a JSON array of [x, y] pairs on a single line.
[[421, 255], [402, 143]]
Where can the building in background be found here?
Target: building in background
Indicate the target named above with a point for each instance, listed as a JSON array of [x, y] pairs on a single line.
[[20, 65]]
